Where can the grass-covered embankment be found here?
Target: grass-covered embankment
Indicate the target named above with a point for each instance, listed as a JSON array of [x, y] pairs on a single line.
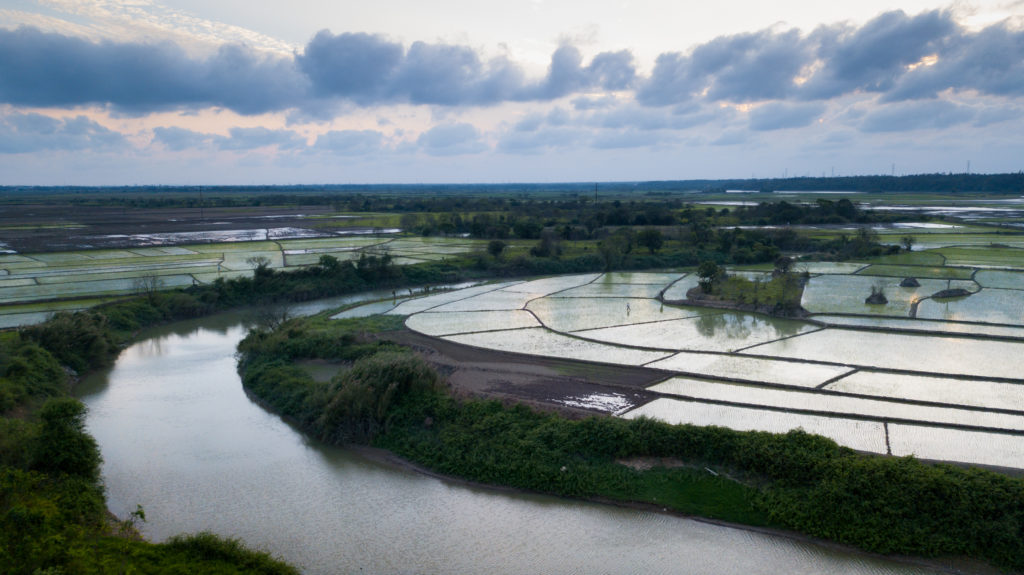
[[391, 399]]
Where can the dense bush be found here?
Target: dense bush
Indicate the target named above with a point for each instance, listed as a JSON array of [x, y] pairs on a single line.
[[358, 402], [27, 371]]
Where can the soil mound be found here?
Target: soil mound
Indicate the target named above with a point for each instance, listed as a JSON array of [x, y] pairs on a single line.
[[877, 298], [949, 293]]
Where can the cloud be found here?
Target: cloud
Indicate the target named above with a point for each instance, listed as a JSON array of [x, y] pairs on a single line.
[[350, 142], [778, 116], [626, 139], [585, 103], [873, 57], [990, 61], [178, 139], [895, 55], [730, 138], [451, 139], [27, 133], [354, 66], [906, 116], [744, 67], [251, 138], [369, 69], [51, 70], [540, 140]]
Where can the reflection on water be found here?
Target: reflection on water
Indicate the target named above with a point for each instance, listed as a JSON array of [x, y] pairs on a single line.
[[180, 437], [743, 326]]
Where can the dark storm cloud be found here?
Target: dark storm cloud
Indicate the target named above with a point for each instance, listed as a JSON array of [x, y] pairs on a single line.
[[25, 133], [42, 69], [779, 116]]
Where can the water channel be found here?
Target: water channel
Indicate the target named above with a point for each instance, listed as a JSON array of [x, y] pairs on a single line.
[[180, 437]]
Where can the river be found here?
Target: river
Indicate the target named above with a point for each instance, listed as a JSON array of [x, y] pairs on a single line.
[[180, 437]]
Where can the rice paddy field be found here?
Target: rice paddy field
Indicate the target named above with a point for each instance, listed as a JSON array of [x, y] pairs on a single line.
[[33, 285], [938, 378], [937, 375]]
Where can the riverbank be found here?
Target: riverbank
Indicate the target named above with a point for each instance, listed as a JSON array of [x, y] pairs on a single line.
[[959, 566], [793, 481], [546, 383]]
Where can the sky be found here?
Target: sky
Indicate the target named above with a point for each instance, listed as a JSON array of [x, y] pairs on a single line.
[[200, 92]]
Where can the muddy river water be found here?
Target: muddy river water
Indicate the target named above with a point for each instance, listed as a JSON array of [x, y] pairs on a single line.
[[180, 437]]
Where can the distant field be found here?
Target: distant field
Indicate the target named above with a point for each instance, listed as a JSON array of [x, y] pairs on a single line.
[[84, 275]]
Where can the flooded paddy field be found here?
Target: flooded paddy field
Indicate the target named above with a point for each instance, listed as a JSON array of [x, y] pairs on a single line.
[[875, 377], [53, 279], [892, 385]]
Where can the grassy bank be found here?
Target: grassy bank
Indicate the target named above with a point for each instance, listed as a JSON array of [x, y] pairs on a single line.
[[391, 399]]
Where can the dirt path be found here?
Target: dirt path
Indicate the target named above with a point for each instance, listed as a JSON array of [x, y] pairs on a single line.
[[573, 388]]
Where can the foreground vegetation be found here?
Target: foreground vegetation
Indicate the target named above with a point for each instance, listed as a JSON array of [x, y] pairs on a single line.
[[391, 399], [53, 517]]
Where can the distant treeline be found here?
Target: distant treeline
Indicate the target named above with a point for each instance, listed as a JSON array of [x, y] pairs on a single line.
[[989, 183]]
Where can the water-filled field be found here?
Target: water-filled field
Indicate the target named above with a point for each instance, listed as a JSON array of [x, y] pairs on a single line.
[[922, 325], [440, 322], [710, 332], [847, 294], [882, 387], [993, 305], [939, 378], [815, 401], [969, 392], [540, 341], [85, 274], [904, 352], [752, 369]]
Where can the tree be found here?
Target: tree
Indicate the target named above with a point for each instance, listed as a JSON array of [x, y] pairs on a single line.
[[548, 246], [651, 239], [907, 242], [708, 273], [62, 445], [147, 285], [496, 248], [329, 264], [613, 251], [783, 265]]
